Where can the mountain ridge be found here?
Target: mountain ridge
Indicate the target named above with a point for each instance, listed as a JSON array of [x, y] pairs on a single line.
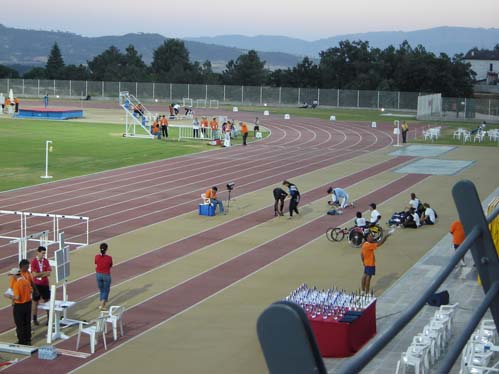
[[276, 50]]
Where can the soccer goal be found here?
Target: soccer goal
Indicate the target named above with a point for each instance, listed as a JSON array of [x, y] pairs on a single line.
[[429, 106], [187, 102], [214, 104], [201, 103]]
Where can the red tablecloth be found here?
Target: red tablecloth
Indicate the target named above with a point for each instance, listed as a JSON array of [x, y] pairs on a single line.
[[341, 339]]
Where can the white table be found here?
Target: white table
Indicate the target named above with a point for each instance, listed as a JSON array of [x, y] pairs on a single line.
[[60, 308]]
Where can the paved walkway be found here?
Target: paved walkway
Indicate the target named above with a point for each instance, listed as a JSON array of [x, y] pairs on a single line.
[[461, 285]]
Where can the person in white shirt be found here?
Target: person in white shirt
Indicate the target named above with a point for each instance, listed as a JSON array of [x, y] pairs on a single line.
[[414, 202], [375, 215], [429, 216]]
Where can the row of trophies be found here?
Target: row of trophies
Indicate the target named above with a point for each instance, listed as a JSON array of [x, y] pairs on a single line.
[[331, 304]]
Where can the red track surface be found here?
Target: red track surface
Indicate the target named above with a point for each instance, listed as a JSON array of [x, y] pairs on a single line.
[[115, 204]]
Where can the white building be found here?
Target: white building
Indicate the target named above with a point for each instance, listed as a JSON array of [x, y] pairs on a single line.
[[485, 64]]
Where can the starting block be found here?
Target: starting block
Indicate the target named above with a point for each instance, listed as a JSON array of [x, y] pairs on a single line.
[[206, 210]]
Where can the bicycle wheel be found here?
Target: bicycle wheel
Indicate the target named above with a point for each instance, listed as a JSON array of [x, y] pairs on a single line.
[[356, 239], [335, 234], [377, 233]]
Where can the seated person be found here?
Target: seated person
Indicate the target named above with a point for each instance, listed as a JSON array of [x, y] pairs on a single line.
[[414, 202], [359, 226], [314, 104], [429, 217], [375, 215], [338, 194], [176, 109], [304, 105], [359, 221], [412, 219], [212, 195]]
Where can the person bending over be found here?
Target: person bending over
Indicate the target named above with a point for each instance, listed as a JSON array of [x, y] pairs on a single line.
[[279, 197]]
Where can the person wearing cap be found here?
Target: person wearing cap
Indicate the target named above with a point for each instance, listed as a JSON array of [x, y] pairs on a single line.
[[369, 260], [212, 195], [40, 270], [22, 305], [338, 194]]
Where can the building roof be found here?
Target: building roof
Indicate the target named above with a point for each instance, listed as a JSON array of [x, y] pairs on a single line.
[[482, 54]]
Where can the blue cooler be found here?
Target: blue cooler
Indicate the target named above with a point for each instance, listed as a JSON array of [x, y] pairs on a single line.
[[206, 210]]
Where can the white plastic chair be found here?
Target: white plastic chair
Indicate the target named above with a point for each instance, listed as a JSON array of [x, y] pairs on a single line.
[[416, 357], [205, 200], [114, 317], [466, 137], [426, 341], [437, 336], [93, 329]]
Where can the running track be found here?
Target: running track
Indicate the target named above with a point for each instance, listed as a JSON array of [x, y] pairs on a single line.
[[115, 203]]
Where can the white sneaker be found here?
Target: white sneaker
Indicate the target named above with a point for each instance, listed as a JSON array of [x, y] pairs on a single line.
[[463, 263]]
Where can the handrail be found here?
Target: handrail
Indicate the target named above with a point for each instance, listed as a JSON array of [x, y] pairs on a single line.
[[479, 240]]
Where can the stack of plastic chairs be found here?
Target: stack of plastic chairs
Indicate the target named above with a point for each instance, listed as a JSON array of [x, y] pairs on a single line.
[[427, 347], [480, 353]]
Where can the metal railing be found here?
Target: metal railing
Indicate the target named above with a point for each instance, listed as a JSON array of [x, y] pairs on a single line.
[[479, 240]]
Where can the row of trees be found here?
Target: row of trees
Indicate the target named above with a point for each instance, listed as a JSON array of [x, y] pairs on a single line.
[[351, 65]]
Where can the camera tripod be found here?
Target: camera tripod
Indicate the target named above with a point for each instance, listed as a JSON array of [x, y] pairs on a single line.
[[228, 203]]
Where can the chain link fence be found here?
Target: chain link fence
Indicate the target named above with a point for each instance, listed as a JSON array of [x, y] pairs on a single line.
[[453, 108]]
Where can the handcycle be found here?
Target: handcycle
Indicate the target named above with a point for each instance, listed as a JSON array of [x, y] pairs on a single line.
[[356, 235]]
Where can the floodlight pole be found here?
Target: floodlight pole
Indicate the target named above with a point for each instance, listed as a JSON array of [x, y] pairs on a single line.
[[47, 176]]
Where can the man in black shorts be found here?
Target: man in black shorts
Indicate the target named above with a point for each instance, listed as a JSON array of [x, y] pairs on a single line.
[[279, 197], [40, 270]]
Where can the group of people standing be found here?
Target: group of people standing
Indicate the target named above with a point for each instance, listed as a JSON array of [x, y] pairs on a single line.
[[29, 283], [9, 105]]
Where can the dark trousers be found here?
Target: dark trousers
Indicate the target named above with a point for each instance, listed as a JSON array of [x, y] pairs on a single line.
[[22, 319], [279, 203], [245, 136], [404, 136], [164, 131], [195, 133], [293, 206]]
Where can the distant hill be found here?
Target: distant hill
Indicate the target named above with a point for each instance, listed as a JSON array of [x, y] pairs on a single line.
[[31, 47], [449, 40]]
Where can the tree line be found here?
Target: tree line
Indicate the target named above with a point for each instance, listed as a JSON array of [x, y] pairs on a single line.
[[351, 65]]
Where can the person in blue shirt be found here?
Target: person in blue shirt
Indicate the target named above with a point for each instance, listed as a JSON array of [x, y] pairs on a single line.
[[338, 194], [294, 195]]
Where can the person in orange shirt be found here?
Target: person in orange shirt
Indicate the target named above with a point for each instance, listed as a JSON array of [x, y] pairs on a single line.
[[155, 129], [458, 235], [22, 304], [214, 128], [204, 126], [164, 126], [369, 260], [212, 195], [244, 131]]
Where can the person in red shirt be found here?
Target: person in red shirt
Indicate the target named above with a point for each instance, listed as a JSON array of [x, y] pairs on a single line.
[[457, 231], [103, 265], [369, 260], [40, 270]]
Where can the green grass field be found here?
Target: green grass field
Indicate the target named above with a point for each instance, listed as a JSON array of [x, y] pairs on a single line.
[[84, 148], [78, 149]]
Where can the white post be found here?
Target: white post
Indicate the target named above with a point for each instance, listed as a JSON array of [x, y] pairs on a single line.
[[51, 314], [47, 176]]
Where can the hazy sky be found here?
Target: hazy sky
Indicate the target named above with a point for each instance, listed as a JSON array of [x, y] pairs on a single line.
[[303, 19]]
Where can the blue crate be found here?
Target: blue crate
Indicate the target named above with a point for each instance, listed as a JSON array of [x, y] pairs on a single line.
[[206, 210]]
